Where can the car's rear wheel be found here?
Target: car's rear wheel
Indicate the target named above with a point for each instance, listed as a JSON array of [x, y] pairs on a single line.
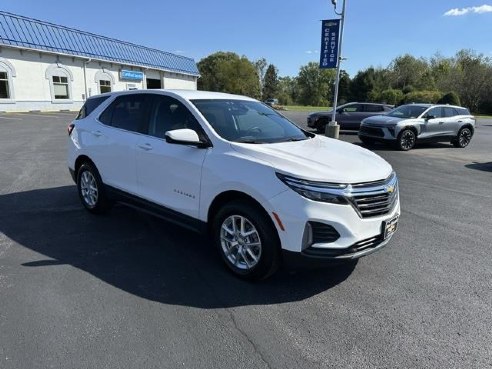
[[247, 240], [463, 138], [406, 140], [91, 189]]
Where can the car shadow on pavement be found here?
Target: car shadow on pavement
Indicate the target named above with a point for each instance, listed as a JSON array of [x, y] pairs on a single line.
[[485, 167], [144, 255]]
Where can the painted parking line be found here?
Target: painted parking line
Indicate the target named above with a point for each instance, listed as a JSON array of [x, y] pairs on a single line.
[[40, 115], [10, 118]]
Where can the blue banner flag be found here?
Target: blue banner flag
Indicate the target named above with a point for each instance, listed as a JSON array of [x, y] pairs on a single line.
[[330, 31]]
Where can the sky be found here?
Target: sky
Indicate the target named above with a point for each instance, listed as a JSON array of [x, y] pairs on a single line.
[[286, 33]]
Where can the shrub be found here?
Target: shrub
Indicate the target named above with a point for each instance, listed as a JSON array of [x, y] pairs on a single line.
[[391, 96], [430, 97], [450, 98]]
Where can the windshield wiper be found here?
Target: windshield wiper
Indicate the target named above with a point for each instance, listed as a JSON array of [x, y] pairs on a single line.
[[293, 139], [247, 140]]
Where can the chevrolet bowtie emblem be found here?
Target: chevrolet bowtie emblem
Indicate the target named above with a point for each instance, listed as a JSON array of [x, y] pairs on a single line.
[[390, 189]]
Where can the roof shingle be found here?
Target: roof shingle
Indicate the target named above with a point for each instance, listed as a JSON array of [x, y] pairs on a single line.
[[19, 31]]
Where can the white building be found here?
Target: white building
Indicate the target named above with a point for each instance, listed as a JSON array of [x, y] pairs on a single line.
[[48, 67]]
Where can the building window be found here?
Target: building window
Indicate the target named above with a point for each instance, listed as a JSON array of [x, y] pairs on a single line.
[[104, 86], [60, 87], [60, 79], [4, 86]]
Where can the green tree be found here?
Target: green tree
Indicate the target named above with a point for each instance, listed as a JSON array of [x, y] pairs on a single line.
[[343, 88], [408, 70], [362, 84], [270, 83], [315, 85], [228, 72], [288, 90]]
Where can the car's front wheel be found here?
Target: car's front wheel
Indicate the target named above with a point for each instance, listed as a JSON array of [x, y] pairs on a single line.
[[91, 189], [247, 240], [406, 140], [463, 138]]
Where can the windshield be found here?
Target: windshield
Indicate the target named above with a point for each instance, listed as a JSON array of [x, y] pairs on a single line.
[[407, 111], [248, 121]]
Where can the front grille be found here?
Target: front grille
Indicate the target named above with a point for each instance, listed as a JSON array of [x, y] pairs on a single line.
[[323, 233], [371, 131], [374, 199]]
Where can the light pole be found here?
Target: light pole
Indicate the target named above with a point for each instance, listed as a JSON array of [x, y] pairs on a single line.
[[333, 129]]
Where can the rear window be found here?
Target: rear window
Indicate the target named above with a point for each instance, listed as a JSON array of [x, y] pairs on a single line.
[[90, 105], [463, 111]]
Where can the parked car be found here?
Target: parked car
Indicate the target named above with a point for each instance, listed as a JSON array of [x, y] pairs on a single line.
[[412, 123], [271, 102], [262, 187], [348, 116]]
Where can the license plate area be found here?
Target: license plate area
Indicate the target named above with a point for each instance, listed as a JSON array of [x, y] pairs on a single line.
[[390, 227]]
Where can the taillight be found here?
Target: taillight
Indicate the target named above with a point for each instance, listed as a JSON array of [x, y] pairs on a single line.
[[70, 128]]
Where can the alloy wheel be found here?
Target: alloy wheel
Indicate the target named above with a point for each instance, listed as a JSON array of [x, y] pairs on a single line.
[[465, 137], [88, 188], [240, 242], [407, 140]]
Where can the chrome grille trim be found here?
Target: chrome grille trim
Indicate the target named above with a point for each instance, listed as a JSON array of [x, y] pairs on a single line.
[[374, 198]]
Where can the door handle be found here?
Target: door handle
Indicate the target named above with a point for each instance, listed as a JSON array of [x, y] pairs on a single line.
[[97, 133], [441, 122], [145, 146], [460, 121]]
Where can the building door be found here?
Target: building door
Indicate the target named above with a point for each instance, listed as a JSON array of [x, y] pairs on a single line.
[[153, 83]]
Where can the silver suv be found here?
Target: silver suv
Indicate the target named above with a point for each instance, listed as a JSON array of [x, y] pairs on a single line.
[[407, 124]]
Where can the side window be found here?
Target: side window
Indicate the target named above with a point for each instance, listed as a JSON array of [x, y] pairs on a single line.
[[353, 108], [373, 108], [169, 114], [450, 112], [128, 112], [90, 105], [435, 112]]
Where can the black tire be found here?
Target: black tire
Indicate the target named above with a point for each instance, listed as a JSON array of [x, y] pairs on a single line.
[[268, 257], [406, 140], [463, 138], [321, 128], [367, 141], [91, 189]]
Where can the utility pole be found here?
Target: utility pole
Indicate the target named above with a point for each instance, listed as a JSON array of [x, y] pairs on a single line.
[[332, 128]]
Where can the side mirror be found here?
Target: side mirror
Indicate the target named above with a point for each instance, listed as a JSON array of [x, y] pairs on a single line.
[[427, 117], [185, 136]]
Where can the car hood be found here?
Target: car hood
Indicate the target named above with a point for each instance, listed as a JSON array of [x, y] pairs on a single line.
[[381, 120], [320, 159], [322, 114]]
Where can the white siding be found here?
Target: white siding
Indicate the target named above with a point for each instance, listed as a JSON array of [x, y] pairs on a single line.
[[32, 88]]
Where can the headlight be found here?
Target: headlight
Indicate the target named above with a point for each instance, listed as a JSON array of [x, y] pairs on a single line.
[[333, 193]]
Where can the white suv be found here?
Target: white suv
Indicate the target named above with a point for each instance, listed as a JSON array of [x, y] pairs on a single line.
[[230, 165]]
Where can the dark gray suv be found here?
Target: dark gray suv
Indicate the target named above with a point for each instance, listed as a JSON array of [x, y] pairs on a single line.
[[348, 116], [407, 124]]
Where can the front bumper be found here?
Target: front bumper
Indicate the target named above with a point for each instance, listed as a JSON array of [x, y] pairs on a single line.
[[378, 132], [358, 236], [314, 257]]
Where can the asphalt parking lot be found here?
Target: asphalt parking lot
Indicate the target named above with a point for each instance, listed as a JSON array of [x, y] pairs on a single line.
[[130, 291]]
